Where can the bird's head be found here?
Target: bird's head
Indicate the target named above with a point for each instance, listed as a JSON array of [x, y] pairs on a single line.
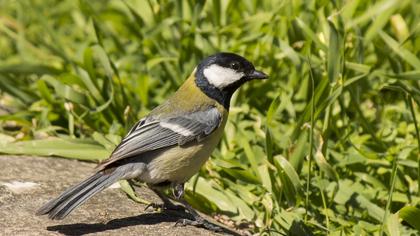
[[221, 74]]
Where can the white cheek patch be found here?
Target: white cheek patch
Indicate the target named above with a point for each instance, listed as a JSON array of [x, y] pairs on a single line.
[[176, 128], [220, 76]]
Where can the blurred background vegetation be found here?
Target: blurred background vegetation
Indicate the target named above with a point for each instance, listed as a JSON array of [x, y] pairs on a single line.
[[329, 145]]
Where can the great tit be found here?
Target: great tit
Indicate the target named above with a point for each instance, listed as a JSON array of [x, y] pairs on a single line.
[[168, 146]]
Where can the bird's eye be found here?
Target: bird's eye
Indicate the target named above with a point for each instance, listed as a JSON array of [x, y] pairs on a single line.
[[234, 65]]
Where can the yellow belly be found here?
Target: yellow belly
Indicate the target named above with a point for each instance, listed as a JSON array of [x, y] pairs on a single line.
[[178, 164]]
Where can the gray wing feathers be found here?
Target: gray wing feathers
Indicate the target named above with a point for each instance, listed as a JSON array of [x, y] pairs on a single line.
[[154, 134], [200, 125]]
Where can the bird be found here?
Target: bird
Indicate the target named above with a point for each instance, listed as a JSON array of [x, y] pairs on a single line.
[[169, 145]]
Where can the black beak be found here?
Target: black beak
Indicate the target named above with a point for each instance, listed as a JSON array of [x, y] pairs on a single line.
[[257, 75]]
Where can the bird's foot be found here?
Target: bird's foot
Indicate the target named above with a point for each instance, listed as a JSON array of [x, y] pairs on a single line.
[[163, 206], [200, 222]]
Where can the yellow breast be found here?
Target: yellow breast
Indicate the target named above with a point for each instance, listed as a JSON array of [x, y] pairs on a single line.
[[178, 164]]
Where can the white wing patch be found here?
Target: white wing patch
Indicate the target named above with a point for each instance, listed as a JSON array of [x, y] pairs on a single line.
[[176, 128], [220, 76]]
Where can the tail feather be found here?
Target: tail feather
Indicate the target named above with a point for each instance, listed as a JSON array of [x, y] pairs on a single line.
[[73, 202], [45, 209], [76, 195]]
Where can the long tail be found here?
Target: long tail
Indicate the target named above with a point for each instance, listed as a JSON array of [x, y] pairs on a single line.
[[60, 207]]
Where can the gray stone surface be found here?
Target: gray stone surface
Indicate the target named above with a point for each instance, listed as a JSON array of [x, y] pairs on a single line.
[[26, 183]]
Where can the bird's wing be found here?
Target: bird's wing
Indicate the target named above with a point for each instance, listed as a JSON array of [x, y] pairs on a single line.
[[151, 134]]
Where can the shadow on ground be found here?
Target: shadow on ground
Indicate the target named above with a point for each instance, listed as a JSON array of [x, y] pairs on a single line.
[[143, 219]]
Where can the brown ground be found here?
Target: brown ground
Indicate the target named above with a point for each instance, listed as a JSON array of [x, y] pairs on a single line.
[[108, 213]]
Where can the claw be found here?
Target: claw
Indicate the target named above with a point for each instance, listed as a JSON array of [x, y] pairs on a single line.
[[199, 223], [163, 206]]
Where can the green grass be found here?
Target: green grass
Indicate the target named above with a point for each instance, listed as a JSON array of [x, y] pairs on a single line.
[[329, 145]]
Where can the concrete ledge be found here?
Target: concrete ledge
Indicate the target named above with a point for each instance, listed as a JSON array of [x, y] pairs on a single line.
[[26, 183]]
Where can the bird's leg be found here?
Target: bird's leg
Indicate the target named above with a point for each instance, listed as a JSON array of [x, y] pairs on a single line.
[[166, 202], [178, 191], [198, 220]]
